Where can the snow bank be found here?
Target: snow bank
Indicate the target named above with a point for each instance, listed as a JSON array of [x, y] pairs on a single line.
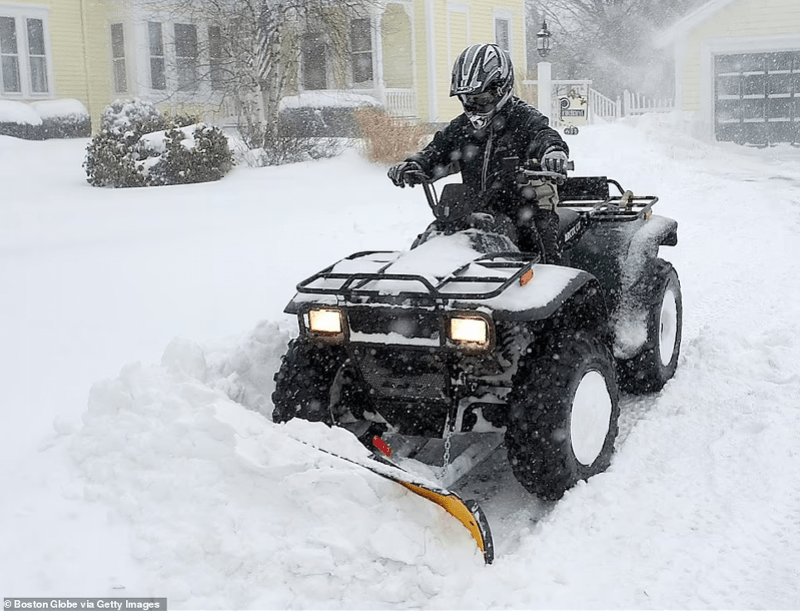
[[217, 497]]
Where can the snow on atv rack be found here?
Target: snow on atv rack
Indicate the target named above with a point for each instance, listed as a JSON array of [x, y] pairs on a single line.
[[487, 276]]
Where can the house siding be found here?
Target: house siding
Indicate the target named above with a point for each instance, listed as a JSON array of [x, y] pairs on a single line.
[[457, 24]]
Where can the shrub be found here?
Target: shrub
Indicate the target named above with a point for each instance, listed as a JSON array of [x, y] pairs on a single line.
[[137, 146], [386, 138], [63, 119], [192, 154], [46, 119]]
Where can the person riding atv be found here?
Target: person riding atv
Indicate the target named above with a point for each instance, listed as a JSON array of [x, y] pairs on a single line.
[[495, 125]]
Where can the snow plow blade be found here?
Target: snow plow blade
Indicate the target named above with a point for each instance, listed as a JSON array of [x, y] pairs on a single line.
[[468, 513]]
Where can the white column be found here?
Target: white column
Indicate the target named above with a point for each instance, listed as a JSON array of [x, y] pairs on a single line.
[[430, 36], [544, 80], [377, 76]]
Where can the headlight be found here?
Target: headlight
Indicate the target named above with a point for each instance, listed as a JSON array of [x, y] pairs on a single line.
[[471, 330], [325, 321]]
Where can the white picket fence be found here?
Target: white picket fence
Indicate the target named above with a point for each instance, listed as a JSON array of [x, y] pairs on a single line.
[[637, 104]]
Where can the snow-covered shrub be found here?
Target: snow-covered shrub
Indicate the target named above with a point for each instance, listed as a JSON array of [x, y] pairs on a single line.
[[131, 115], [47, 119], [324, 114], [18, 119], [197, 153], [63, 119], [137, 146]]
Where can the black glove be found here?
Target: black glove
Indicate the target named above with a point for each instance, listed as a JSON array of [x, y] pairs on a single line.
[[406, 173], [555, 161]]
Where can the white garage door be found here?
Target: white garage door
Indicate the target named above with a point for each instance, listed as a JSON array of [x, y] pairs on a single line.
[[757, 98]]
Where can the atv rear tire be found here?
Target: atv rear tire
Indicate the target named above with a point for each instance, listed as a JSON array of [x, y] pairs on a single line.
[[304, 381], [564, 410], [655, 365]]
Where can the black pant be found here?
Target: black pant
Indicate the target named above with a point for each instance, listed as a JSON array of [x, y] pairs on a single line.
[[537, 231]]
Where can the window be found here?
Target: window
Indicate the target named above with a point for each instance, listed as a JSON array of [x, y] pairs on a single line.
[[24, 51], [186, 55], [361, 50], [502, 33], [158, 78], [10, 55], [315, 65], [118, 58], [215, 56], [37, 57]]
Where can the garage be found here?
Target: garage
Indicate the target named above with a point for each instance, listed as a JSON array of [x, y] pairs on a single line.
[[757, 98], [737, 70]]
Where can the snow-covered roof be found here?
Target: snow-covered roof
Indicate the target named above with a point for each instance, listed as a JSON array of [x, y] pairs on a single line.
[[690, 21]]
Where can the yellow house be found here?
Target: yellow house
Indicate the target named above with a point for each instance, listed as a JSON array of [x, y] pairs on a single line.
[[53, 50], [400, 52], [737, 68]]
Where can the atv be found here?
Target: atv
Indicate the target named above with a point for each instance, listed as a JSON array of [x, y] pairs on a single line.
[[427, 353]]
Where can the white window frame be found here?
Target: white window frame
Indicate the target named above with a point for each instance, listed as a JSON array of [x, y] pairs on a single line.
[[508, 17], [21, 13]]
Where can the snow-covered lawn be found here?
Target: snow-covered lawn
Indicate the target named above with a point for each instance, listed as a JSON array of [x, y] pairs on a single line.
[[136, 323]]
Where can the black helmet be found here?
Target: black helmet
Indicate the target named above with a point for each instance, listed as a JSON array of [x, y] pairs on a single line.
[[483, 79]]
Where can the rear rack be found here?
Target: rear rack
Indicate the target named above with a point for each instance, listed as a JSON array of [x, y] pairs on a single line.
[[356, 284], [591, 196]]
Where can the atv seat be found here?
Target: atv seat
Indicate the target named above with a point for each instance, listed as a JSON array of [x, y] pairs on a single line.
[[584, 188]]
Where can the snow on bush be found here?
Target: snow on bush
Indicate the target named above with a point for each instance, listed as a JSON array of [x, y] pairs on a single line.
[[137, 146], [46, 119]]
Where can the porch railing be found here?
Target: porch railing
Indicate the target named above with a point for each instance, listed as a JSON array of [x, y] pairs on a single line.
[[401, 103]]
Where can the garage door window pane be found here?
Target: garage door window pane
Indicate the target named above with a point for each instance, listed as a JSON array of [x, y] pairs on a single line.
[[752, 63], [754, 84], [753, 109], [728, 85], [780, 108], [728, 111], [779, 84]]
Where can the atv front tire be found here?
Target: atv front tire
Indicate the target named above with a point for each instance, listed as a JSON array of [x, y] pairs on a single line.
[[655, 365], [304, 381], [563, 415]]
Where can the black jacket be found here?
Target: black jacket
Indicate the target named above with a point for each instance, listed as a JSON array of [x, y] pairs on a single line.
[[517, 130]]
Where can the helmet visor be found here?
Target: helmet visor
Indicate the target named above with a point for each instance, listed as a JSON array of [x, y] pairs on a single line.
[[479, 102]]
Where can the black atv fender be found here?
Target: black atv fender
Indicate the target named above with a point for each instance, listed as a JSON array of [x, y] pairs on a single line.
[[580, 299], [631, 308]]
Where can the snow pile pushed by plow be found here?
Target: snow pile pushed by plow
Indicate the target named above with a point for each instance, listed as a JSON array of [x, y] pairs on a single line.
[[218, 496]]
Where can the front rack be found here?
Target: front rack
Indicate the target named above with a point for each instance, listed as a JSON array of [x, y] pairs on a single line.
[[349, 285]]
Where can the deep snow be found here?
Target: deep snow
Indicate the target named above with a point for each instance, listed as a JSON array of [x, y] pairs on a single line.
[[136, 323]]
